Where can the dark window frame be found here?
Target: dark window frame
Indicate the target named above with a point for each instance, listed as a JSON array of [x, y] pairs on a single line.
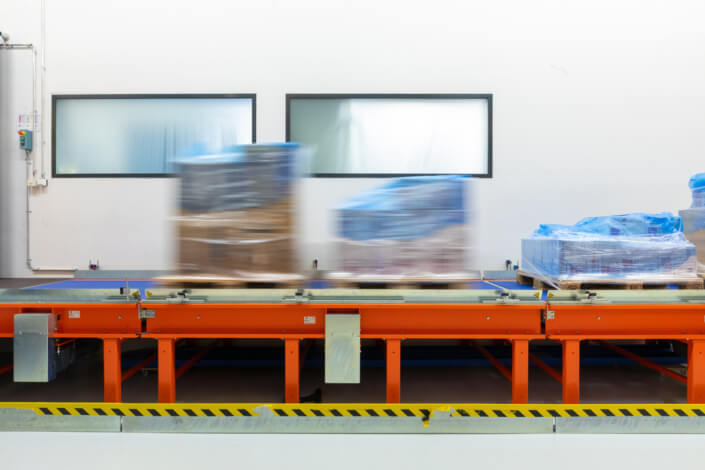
[[478, 96], [56, 97]]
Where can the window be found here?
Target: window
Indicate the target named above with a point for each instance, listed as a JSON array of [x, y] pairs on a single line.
[[393, 135], [144, 135]]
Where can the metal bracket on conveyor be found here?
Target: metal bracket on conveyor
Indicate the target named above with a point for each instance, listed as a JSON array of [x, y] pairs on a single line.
[[504, 297], [184, 297], [127, 294], [299, 297], [591, 297], [581, 296], [145, 313]]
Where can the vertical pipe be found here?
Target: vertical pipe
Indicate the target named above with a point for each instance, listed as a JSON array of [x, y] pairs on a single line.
[[42, 98]]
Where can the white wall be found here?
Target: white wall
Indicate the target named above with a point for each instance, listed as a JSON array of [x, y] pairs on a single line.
[[598, 104]]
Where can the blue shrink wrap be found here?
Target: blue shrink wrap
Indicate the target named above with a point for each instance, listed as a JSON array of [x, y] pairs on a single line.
[[628, 246], [414, 226]]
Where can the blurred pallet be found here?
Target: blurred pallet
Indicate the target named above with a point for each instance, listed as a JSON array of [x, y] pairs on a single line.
[[343, 281], [204, 281], [528, 279]]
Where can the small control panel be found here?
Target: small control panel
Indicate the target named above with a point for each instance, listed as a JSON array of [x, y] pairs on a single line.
[[25, 139]]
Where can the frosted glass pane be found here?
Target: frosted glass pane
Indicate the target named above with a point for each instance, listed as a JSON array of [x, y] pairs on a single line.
[[393, 135], [145, 135]]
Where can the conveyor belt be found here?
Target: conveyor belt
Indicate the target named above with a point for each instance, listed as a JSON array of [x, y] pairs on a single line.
[[389, 316]]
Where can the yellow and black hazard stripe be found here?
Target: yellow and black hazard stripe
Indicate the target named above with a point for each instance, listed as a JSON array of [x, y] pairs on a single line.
[[424, 411]]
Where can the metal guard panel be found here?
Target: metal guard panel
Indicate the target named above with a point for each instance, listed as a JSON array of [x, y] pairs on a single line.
[[345, 296], [626, 297], [68, 296]]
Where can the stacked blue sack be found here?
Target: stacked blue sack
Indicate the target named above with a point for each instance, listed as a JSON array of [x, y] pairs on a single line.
[[628, 246]]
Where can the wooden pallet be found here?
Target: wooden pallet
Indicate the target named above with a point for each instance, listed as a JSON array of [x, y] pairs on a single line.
[[529, 279], [204, 281], [402, 282]]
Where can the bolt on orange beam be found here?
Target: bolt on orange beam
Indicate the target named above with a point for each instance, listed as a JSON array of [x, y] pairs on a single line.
[[506, 372]]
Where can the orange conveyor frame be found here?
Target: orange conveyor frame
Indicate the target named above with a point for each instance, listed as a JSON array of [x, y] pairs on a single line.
[[112, 323]]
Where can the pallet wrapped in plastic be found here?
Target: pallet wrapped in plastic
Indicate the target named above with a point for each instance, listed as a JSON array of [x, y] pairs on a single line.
[[630, 246], [694, 218], [697, 187], [236, 213], [410, 227]]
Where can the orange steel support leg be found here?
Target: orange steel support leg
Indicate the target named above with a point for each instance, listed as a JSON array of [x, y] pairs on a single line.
[[571, 371], [166, 370], [291, 370], [112, 373], [696, 371], [393, 371], [520, 371]]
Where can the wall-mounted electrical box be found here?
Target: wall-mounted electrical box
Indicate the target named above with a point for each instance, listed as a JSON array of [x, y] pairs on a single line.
[[25, 139]]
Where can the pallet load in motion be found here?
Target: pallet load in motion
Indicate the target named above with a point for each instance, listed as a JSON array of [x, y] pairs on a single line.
[[413, 227], [694, 218], [620, 247], [236, 212]]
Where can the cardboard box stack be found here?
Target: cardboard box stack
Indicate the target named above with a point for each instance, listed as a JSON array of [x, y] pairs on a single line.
[[236, 212], [412, 226], [630, 246], [694, 218]]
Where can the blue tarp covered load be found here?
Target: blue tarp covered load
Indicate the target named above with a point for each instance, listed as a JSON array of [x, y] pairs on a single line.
[[406, 208], [697, 186], [410, 225], [694, 218], [628, 246]]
